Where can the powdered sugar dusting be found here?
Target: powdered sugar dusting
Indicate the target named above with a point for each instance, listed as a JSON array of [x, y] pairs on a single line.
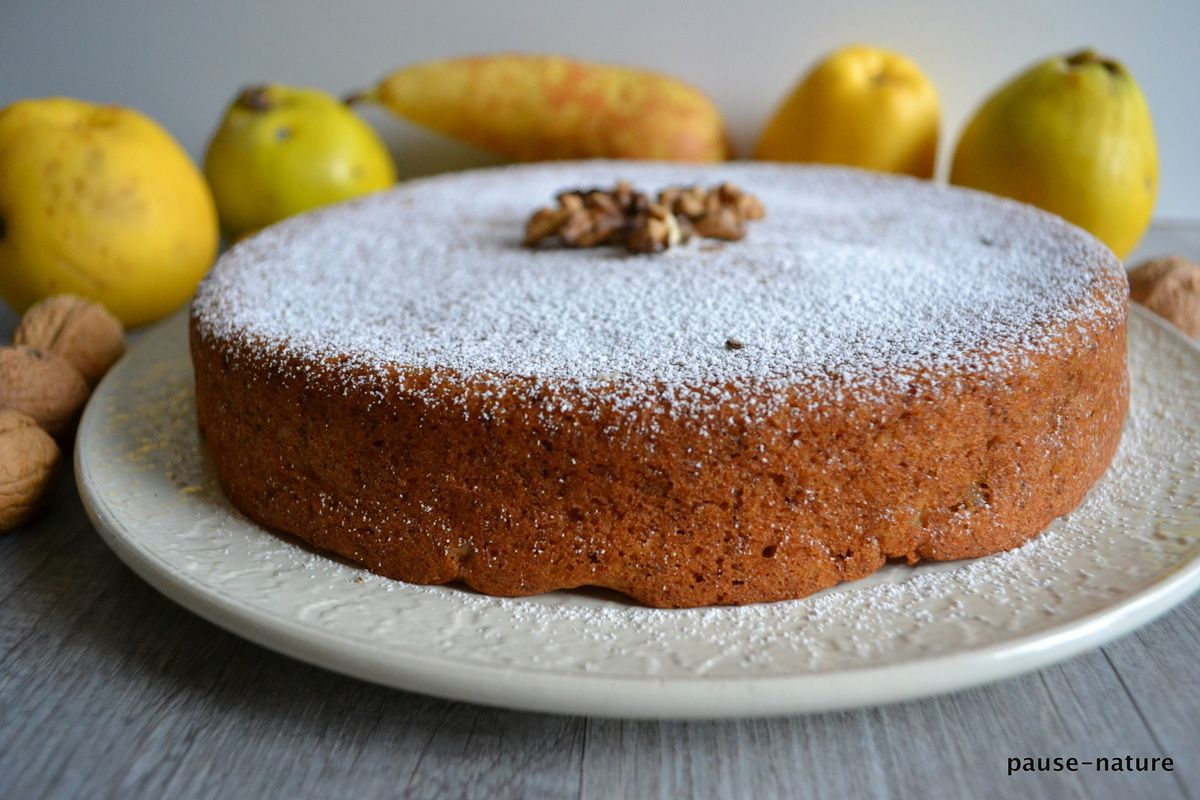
[[853, 283]]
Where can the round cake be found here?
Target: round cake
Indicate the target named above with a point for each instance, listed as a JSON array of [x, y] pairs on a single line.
[[883, 368]]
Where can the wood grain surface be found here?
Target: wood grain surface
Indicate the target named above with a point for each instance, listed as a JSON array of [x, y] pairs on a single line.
[[107, 689]]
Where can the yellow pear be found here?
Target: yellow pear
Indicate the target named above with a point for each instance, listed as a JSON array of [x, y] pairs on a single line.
[[861, 106], [1072, 135], [281, 150], [99, 201], [542, 107]]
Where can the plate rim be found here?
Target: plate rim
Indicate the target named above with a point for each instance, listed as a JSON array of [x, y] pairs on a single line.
[[635, 697]]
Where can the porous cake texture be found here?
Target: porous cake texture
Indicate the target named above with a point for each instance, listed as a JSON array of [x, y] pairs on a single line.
[[884, 368]]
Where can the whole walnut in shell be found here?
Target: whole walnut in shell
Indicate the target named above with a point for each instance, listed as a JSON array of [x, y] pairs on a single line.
[[28, 460], [1170, 287], [78, 330], [43, 386]]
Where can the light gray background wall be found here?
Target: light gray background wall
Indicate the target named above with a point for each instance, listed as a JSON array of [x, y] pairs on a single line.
[[181, 61]]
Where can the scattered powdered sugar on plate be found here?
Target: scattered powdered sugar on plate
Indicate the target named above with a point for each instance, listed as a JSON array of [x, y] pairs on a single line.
[[141, 456], [852, 282]]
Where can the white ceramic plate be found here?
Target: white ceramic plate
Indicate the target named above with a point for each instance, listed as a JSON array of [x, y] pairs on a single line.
[[1129, 554]]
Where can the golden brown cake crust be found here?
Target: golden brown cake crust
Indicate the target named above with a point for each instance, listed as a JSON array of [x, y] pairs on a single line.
[[432, 479]]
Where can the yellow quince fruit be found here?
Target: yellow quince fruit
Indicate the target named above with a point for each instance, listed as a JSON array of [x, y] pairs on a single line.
[[99, 201], [281, 150], [1072, 135], [861, 106]]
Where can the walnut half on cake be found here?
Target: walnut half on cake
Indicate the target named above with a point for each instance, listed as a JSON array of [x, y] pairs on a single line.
[[882, 368]]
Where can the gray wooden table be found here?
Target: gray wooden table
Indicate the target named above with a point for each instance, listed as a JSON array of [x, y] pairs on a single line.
[[107, 689]]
